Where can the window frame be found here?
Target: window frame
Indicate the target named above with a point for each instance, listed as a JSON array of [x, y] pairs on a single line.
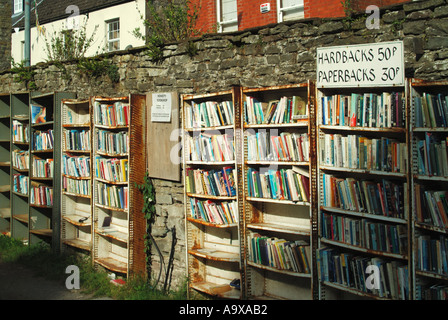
[[18, 6], [281, 10], [112, 41], [222, 24]]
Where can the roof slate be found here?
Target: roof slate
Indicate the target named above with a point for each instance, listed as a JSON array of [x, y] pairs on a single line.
[[52, 10]]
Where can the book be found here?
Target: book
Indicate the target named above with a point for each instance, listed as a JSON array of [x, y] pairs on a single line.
[[38, 114]]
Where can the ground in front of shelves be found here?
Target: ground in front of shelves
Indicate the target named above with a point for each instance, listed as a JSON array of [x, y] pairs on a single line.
[[18, 282]]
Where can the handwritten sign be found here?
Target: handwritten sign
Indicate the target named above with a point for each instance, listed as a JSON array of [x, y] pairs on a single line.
[[161, 107], [364, 65]]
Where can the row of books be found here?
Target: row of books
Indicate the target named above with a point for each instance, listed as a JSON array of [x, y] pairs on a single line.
[[20, 159], [279, 253], [209, 114], [77, 140], [431, 110], [384, 198], [432, 155], [112, 115], [43, 140], [211, 182], [265, 146], [210, 147], [437, 291], [283, 110], [222, 212], [43, 168], [350, 270], [76, 186], [113, 196], [114, 170], [359, 152], [21, 183], [41, 195], [283, 184], [76, 166], [20, 132], [364, 233], [432, 254], [377, 110], [112, 142], [431, 206]]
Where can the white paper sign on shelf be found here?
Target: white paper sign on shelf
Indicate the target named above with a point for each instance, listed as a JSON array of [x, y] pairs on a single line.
[[161, 107], [363, 65]]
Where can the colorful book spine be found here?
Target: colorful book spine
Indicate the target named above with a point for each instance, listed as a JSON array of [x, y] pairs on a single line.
[[210, 147], [384, 197], [264, 146], [76, 166], [283, 184], [279, 253], [209, 114], [78, 140], [359, 152], [211, 182], [384, 110], [112, 142], [214, 212], [349, 270]]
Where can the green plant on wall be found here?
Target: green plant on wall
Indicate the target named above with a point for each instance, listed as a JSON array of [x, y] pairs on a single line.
[[23, 74], [174, 21], [149, 198]]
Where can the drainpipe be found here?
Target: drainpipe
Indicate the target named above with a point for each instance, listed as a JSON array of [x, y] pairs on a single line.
[[27, 33]]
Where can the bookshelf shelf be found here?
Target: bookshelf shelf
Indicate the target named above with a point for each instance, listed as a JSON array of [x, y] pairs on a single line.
[[429, 133], [214, 225], [286, 272], [278, 189], [117, 204], [281, 228], [77, 243], [357, 130], [213, 231]]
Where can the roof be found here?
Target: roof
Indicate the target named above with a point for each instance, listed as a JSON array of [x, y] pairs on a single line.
[[53, 10]]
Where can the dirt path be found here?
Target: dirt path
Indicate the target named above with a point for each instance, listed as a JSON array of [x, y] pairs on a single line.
[[17, 282]]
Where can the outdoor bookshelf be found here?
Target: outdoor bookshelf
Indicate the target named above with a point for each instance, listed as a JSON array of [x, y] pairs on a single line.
[[76, 177], [20, 150], [429, 137], [5, 169], [117, 160], [278, 182], [364, 219], [45, 167], [212, 194]]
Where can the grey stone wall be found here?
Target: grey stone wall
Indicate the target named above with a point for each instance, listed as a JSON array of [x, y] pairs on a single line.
[[271, 55], [5, 34]]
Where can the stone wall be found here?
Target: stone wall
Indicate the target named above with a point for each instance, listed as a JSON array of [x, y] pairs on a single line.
[[277, 54], [5, 34]]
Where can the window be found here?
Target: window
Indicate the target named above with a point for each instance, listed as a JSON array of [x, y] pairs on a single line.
[[290, 10], [227, 15], [18, 6], [113, 35]]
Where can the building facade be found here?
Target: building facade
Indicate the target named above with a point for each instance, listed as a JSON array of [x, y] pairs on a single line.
[[110, 22], [233, 15]]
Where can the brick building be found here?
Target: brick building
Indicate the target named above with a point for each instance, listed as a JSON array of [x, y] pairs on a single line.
[[232, 15]]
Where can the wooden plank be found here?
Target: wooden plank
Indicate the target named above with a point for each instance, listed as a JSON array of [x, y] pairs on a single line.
[[161, 139]]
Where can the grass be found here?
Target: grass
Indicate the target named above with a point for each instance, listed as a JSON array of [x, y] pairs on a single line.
[[93, 282]]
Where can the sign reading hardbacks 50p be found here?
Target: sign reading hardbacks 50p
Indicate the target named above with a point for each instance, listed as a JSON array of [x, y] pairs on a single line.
[[363, 65]]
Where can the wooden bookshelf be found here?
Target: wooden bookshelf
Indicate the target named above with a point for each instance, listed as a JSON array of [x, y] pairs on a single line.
[[429, 134], [44, 193], [363, 148], [118, 248], [278, 182], [5, 169], [210, 122], [76, 177]]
